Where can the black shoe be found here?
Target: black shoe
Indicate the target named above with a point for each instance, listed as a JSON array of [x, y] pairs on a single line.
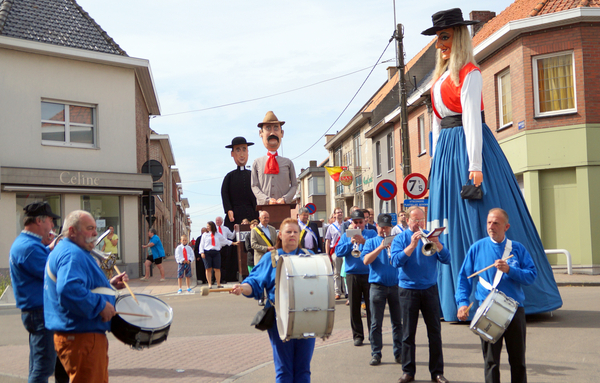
[[261, 302], [375, 360], [358, 342]]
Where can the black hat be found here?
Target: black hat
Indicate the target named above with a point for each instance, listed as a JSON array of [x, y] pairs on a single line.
[[446, 19], [357, 214], [37, 209], [384, 220], [239, 141]]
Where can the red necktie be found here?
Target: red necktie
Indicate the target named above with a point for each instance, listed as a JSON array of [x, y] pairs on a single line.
[[185, 254], [220, 231], [272, 167], [212, 239]]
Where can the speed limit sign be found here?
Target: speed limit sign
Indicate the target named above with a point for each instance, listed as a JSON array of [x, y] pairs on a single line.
[[415, 185]]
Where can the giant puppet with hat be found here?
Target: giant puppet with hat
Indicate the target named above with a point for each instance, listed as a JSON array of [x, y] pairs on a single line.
[[239, 201], [273, 176]]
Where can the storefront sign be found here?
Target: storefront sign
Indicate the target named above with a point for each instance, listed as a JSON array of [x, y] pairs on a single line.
[[78, 178], [346, 178], [368, 180]]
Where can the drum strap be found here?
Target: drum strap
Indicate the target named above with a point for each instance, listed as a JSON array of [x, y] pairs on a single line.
[[98, 290], [498, 276]]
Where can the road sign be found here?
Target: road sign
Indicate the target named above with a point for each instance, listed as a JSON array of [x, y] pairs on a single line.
[[386, 190], [394, 219], [416, 202], [415, 185], [311, 207]]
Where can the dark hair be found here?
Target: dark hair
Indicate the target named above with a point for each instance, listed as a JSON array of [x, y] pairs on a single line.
[[153, 231], [286, 221], [213, 227]]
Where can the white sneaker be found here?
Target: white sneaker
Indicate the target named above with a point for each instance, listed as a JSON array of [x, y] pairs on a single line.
[[144, 279], [179, 291], [190, 291], [162, 280]]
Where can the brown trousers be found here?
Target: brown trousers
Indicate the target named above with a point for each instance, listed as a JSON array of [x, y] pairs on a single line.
[[84, 356]]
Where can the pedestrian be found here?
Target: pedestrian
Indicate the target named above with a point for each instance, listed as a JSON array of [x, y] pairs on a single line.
[[248, 245], [209, 249], [291, 358], [332, 237], [79, 301], [156, 254], [184, 256]]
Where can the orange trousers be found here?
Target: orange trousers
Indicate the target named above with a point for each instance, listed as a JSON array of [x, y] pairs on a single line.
[[84, 356]]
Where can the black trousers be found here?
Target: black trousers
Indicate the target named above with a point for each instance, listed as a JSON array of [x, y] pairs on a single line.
[[514, 336], [428, 302], [358, 289]]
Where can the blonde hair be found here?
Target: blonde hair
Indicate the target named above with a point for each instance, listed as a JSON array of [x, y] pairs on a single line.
[[460, 55], [183, 236]]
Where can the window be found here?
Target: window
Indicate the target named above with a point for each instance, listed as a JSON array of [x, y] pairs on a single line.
[[337, 157], [378, 157], [356, 148], [316, 185], [106, 210], [54, 200], [504, 99], [554, 81], [339, 189], [422, 135], [358, 183], [68, 124], [390, 145]]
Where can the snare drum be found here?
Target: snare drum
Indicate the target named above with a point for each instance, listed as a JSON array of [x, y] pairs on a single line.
[[141, 332], [493, 316], [304, 297]]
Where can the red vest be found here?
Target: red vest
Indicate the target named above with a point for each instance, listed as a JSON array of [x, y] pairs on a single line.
[[451, 93]]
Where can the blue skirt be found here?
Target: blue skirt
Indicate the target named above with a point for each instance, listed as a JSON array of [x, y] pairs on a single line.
[[466, 220]]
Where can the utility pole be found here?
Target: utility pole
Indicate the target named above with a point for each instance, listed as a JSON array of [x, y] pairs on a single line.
[[406, 167]]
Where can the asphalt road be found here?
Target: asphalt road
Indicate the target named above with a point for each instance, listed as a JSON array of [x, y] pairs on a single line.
[[210, 340]]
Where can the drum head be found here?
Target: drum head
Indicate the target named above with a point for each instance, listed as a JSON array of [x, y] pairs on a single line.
[[282, 297], [160, 312]]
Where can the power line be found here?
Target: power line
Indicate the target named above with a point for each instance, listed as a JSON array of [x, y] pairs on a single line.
[[350, 102], [275, 94]]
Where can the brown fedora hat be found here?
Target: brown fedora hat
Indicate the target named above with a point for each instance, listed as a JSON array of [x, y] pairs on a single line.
[[270, 118], [447, 19]]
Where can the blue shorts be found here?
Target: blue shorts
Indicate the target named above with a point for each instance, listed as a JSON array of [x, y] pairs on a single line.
[[212, 259], [184, 268]]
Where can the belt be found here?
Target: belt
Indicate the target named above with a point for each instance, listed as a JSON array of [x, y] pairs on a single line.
[[454, 121]]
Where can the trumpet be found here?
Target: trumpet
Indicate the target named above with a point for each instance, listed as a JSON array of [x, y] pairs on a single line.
[[355, 252], [429, 248]]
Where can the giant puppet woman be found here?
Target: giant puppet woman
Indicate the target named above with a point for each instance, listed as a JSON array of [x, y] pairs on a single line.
[[464, 149]]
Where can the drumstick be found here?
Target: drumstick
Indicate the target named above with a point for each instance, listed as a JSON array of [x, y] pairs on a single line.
[[126, 285], [487, 268], [205, 290], [134, 314], [469, 308]]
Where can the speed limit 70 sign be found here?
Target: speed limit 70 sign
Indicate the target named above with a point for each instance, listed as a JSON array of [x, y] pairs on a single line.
[[415, 185]]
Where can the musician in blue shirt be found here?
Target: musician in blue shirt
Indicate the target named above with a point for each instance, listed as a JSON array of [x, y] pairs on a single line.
[[419, 292], [383, 278], [517, 271], [357, 273]]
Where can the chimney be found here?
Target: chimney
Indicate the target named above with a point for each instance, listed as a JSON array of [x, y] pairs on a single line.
[[483, 17], [312, 164], [391, 70]]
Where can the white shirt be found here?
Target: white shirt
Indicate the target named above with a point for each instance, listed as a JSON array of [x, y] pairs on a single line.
[[179, 258], [266, 230], [470, 99], [206, 242], [398, 229], [226, 232]]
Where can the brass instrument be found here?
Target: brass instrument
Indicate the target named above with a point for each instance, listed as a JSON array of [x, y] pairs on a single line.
[[355, 252], [429, 248]]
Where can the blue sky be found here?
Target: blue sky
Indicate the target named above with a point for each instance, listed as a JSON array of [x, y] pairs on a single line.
[[206, 54]]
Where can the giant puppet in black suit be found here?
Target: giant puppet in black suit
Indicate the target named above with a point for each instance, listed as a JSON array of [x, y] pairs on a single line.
[[239, 201]]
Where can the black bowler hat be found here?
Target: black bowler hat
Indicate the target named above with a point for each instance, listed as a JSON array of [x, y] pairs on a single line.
[[37, 209], [384, 220], [357, 214], [239, 141], [447, 19]]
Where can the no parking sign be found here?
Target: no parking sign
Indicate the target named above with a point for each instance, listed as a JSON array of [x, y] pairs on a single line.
[[386, 190], [311, 207]]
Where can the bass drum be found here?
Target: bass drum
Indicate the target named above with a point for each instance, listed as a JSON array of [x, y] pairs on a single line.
[[304, 297], [141, 332]]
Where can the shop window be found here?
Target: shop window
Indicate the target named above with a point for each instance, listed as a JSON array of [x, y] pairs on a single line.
[[54, 200], [504, 99], [106, 210], [68, 124], [554, 82]]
